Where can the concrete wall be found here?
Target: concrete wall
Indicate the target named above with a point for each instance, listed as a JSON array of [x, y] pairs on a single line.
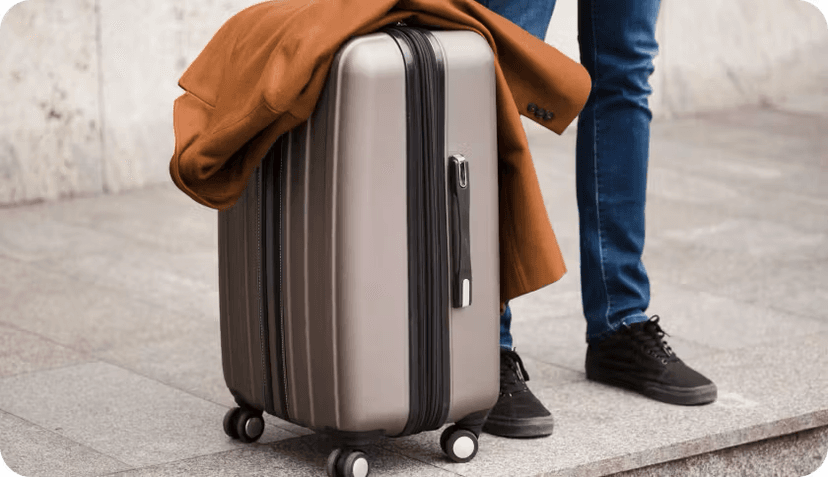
[[86, 86], [717, 54]]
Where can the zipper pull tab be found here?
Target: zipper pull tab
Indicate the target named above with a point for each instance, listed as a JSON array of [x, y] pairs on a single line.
[[460, 186]]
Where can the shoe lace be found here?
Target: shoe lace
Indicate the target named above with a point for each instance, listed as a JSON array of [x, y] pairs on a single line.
[[650, 337], [514, 372]]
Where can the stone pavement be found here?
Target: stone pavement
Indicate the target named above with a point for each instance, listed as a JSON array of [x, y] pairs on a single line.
[[109, 340]]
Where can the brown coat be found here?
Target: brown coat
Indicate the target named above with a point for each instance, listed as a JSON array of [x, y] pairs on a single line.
[[263, 71]]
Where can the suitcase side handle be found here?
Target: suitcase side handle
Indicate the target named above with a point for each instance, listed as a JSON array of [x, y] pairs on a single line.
[[459, 185]]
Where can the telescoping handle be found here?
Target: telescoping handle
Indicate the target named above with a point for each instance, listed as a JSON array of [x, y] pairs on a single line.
[[459, 185]]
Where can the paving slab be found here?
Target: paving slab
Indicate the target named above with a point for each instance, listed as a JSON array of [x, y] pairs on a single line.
[[788, 376], [545, 375], [794, 455], [601, 430], [554, 159], [665, 181], [558, 300], [757, 219], [186, 283], [300, 456], [755, 145], [723, 323], [539, 332], [23, 446], [160, 216], [813, 102], [755, 238], [83, 316], [791, 286], [761, 395], [188, 359], [701, 173], [135, 420], [559, 341], [24, 352], [170, 279], [756, 134], [28, 237], [552, 321]]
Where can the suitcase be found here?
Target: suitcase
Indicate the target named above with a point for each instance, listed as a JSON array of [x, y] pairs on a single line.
[[359, 271]]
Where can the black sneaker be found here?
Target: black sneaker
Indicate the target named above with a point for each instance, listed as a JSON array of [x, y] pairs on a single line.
[[637, 358], [518, 413]]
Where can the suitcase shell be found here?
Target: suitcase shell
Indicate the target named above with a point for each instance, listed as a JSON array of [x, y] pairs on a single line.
[[314, 257]]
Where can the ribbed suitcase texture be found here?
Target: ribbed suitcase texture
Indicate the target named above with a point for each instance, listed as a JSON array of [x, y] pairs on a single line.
[[343, 276]]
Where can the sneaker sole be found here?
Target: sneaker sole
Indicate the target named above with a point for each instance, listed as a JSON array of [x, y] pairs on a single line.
[[522, 428], [665, 393]]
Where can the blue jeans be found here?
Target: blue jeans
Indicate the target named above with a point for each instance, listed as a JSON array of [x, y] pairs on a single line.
[[617, 46]]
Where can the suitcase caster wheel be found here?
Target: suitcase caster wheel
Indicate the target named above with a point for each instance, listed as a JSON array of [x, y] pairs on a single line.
[[460, 445], [343, 463], [330, 467], [249, 425], [230, 423]]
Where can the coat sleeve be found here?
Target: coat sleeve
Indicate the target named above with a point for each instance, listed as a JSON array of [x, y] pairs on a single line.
[[548, 87]]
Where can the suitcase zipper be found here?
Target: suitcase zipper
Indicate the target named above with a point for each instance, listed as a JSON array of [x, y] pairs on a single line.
[[272, 283], [428, 248], [261, 284], [437, 399], [434, 119], [283, 374]]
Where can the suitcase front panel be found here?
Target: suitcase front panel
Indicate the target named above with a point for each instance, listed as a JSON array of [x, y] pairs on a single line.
[[471, 131], [347, 302], [349, 363]]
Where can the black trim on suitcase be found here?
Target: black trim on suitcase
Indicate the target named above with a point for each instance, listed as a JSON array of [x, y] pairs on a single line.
[[272, 191], [414, 149], [262, 285], [436, 160], [427, 230]]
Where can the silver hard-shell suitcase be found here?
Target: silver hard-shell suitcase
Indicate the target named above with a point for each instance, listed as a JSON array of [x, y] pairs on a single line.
[[359, 278]]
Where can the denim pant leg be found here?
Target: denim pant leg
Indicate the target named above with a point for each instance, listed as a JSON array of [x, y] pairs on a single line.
[[506, 327], [617, 45], [533, 16]]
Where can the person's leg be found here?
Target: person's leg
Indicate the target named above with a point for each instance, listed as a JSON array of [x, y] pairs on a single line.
[[518, 413], [506, 327], [531, 15], [617, 45]]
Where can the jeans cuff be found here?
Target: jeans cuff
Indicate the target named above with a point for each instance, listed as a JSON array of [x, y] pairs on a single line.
[[626, 321]]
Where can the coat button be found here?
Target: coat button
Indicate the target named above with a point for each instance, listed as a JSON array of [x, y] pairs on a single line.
[[539, 112]]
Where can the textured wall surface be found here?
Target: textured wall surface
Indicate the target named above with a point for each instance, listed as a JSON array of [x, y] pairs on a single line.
[[717, 54], [86, 91], [87, 86], [50, 126]]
